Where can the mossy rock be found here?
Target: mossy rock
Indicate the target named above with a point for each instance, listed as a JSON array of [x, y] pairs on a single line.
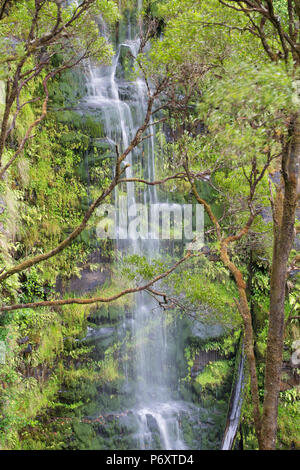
[[214, 376]]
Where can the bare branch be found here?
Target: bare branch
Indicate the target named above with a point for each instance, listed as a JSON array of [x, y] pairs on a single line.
[[94, 300]]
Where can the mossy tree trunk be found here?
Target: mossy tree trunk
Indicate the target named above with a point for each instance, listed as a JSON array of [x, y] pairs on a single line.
[[284, 211]]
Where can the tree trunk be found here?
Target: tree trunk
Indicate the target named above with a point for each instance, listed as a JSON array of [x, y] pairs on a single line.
[[284, 221], [244, 310]]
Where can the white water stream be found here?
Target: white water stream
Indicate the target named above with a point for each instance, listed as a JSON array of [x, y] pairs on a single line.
[[123, 107]]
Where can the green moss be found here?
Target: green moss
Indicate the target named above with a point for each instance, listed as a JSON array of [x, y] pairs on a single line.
[[213, 375], [288, 420]]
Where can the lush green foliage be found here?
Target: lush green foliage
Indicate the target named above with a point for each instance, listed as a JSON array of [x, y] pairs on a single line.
[[219, 79]]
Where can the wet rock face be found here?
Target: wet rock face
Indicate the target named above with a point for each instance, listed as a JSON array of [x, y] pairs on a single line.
[[152, 424], [89, 280]]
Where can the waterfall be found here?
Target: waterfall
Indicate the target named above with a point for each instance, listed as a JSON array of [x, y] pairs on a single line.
[[122, 106], [236, 405]]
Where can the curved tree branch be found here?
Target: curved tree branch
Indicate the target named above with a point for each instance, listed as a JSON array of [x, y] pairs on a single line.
[[94, 300]]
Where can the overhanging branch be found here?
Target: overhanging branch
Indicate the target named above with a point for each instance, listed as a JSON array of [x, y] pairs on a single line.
[[94, 300]]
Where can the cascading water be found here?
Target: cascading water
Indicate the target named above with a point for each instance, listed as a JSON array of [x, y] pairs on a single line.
[[236, 405], [123, 105]]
